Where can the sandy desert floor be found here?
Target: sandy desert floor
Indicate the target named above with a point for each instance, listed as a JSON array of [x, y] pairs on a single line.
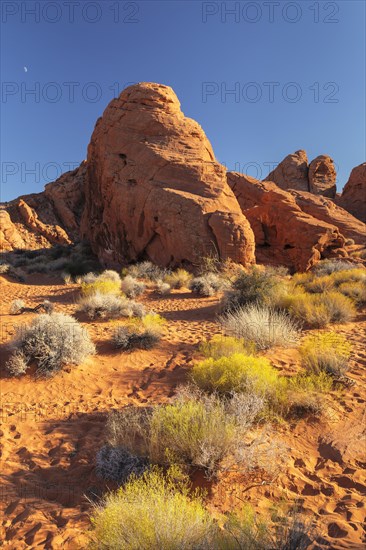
[[51, 429]]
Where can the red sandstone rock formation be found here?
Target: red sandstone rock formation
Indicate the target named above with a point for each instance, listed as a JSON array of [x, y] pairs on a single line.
[[154, 188], [353, 197], [284, 233], [322, 176], [292, 172]]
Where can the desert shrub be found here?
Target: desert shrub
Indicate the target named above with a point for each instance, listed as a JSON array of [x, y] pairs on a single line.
[[340, 308], [285, 530], [101, 287], [195, 430], [319, 284], [17, 363], [163, 288], [131, 287], [52, 341], [301, 394], [178, 279], [237, 373], [153, 511], [144, 334], [109, 306], [224, 346], [327, 352], [355, 290], [16, 306], [263, 326], [327, 267], [349, 275], [118, 464], [252, 286], [48, 307], [207, 285], [66, 277], [88, 278], [4, 268], [109, 275], [317, 310], [146, 270]]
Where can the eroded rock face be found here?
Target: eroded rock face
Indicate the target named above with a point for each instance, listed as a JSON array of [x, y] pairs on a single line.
[[326, 210], [284, 233], [322, 176], [154, 188], [353, 197], [9, 235], [292, 172]]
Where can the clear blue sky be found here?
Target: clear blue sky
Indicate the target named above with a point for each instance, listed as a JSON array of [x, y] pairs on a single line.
[[271, 53]]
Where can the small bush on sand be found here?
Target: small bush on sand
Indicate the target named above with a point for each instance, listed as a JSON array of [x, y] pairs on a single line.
[[132, 287], [263, 326], [88, 278], [101, 287], [109, 275], [118, 464], [238, 373], [17, 364], [195, 430], [319, 284], [16, 306], [207, 285], [252, 286], [4, 268], [163, 288], [349, 275], [327, 352], [155, 511], [354, 290], [109, 306], [224, 346], [327, 267], [67, 279], [317, 310], [178, 279], [144, 334], [52, 341], [146, 270]]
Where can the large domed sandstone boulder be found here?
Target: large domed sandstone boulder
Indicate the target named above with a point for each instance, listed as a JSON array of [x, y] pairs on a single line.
[[154, 188], [326, 210], [353, 197], [322, 176], [284, 233], [292, 172]]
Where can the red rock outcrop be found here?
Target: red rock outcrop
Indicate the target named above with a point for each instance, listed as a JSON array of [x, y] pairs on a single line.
[[322, 176], [292, 172], [353, 197], [326, 210], [284, 233], [154, 188], [9, 235]]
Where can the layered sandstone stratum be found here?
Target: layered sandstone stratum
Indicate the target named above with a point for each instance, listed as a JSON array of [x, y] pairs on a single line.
[[151, 188]]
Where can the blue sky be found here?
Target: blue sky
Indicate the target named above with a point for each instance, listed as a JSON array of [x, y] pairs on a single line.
[[296, 69]]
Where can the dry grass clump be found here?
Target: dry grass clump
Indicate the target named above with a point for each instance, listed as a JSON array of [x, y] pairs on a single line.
[[153, 511], [263, 326], [4, 268], [355, 290], [224, 346], [132, 287], [109, 306], [16, 306], [109, 275], [163, 288], [145, 270], [196, 430], [50, 342], [327, 267], [143, 334], [208, 284], [253, 286], [179, 278], [101, 287], [317, 310], [325, 352]]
